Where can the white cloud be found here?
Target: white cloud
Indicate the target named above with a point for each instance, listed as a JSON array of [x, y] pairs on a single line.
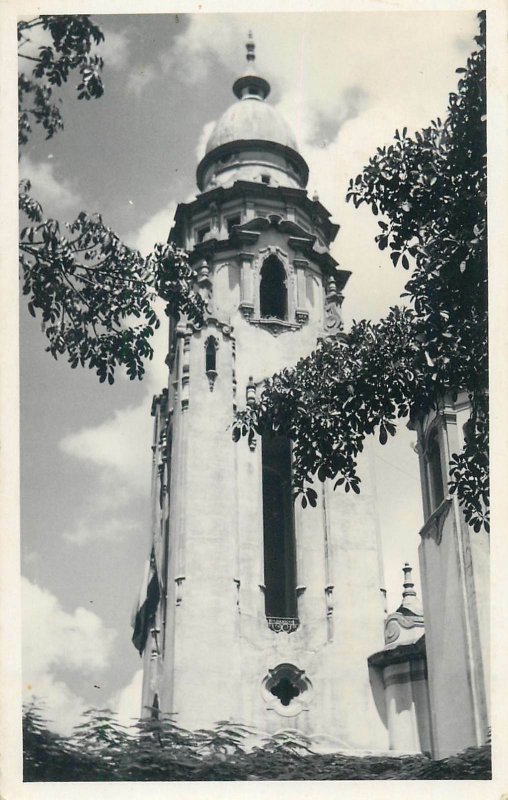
[[203, 139], [98, 528], [208, 37], [127, 702], [114, 49], [341, 107], [154, 230], [55, 194], [119, 451], [409, 56], [56, 639], [139, 78], [120, 446]]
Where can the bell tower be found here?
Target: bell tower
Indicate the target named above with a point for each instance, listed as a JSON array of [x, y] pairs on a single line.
[[255, 609]]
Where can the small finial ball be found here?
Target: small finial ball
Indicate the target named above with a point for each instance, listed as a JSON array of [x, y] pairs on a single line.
[[251, 47]]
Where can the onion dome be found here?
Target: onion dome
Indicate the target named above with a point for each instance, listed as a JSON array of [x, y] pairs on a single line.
[[252, 141]]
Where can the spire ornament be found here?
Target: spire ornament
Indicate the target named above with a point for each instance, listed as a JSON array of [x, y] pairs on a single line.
[[251, 85], [410, 603], [409, 587], [250, 47]]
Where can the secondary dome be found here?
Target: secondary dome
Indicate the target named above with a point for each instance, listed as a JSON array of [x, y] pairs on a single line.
[[251, 118]]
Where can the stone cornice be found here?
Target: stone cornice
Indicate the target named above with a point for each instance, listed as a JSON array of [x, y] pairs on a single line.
[[250, 189], [396, 655], [249, 232]]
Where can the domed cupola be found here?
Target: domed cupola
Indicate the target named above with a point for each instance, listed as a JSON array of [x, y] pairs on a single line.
[[252, 141]]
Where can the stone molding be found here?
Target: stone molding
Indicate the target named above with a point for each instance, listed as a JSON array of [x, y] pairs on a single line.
[[298, 678], [433, 527]]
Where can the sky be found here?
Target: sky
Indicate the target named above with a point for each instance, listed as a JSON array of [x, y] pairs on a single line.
[[344, 82]]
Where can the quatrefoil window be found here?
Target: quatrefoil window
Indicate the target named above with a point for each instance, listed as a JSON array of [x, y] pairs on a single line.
[[286, 690]]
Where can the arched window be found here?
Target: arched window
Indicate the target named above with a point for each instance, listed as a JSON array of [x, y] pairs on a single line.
[[434, 470], [272, 290], [278, 529], [210, 354], [211, 346]]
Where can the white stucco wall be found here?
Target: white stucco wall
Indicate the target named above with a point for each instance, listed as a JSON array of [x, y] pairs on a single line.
[[218, 648]]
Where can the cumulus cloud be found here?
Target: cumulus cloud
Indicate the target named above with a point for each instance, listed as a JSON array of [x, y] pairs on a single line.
[[391, 45], [127, 702], [343, 107], [205, 134], [114, 49], [54, 639], [208, 37], [119, 445], [96, 528], [56, 194], [117, 455], [139, 78], [153, 230]]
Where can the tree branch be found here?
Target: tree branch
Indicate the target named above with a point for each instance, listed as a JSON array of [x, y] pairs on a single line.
[[30, 58]]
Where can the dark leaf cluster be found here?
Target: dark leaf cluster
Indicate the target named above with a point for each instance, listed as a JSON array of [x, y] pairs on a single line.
[[336, 397], [72, 40], [156, 749], [175, 281], [95, 295]]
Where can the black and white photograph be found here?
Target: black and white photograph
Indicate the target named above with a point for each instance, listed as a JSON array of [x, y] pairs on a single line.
[[248, 455]]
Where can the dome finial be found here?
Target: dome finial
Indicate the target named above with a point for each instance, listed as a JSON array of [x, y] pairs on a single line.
[[410, 603], [250, 47], [250, 84], [409, 587]]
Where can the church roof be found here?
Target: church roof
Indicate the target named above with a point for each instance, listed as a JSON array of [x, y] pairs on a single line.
[[251, 118]]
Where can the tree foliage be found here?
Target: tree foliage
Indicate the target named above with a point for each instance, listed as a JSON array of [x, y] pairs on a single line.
[[95, 294], [156, 749], [431, 190], [73, 39]]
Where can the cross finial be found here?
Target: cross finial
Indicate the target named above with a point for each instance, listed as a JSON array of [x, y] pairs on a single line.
[[251, 48]]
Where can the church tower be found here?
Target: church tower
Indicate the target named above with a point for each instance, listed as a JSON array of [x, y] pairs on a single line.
[[255, 609]]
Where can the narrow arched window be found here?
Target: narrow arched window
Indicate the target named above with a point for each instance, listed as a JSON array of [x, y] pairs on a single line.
[[272, 289], [434, 470], [278, 529], [211, 354], [211, 346]]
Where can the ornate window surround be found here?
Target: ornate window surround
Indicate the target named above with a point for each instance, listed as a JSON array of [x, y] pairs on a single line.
[[298, 678], [434, 433], [250, 307], [211, 345]]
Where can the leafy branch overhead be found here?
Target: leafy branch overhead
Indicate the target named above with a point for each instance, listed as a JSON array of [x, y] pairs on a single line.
[[72, 40], [431, 192], [94, 293]]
